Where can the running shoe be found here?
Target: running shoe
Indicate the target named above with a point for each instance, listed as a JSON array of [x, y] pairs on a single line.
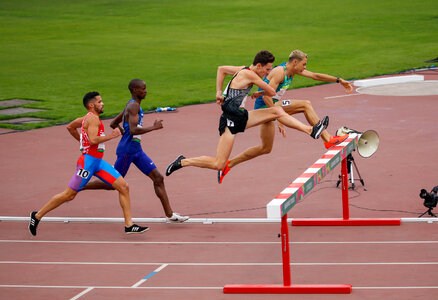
[[33, 224], [135, 229], [335, 140], [320, 127], [176, 218], [175, 165], [221, 173]]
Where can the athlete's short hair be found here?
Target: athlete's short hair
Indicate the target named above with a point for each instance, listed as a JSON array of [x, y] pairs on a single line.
[[298, 55], [263, 57], [88, 97], [134, 83]]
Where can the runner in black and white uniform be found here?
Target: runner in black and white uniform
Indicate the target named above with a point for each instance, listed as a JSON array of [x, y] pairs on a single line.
[[234, 115]]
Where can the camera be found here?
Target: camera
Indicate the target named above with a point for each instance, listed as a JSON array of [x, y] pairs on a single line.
[[430, 200]]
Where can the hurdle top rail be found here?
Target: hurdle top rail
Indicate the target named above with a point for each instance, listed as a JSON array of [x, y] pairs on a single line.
[[293, 193]]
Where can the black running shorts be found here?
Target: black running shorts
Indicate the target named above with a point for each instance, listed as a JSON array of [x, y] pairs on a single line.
[[233, 117]]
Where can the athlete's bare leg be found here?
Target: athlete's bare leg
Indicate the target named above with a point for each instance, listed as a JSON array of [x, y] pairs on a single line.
[[260, 116], [122, 187], [160, 191], [255, 117], [67, 195], [304, 106], [97, 184], [267, 134], [224, 149], [159, 188]]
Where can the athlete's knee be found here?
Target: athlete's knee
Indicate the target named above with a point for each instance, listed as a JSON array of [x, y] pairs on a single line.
[[278, 111], [69, 194], [265, 149], [121, 185], [158, 179], [219, 165], [307, 105]]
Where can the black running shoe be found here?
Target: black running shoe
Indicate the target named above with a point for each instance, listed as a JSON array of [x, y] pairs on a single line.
[[33, 224], [320, 127], [135, 229], [175, 165]]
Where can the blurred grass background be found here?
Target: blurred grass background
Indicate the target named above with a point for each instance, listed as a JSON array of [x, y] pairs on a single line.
[[55, 51]]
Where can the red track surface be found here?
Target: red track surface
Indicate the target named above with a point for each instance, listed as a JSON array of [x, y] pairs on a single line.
[[385, 262]]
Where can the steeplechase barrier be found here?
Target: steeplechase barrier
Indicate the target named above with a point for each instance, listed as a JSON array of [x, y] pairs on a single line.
[[302, 185], [288, 198]]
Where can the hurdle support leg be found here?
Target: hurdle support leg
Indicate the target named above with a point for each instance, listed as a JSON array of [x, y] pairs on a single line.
[[287, 287], [345, 221]]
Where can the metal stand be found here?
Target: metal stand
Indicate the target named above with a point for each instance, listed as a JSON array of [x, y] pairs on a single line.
[[350, 164], [345, 221], [429, 212]]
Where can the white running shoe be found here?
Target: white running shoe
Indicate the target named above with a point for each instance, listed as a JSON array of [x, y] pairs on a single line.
[[176, 218]]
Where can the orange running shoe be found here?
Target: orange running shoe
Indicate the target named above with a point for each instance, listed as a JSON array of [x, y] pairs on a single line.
[[335, 140], [221, 173]]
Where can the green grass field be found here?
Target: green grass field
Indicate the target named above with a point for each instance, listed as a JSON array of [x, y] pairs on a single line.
[[55, 51]]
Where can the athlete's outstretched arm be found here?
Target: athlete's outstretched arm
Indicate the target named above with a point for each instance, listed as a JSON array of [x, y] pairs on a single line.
[[73, 127], [327, 78]]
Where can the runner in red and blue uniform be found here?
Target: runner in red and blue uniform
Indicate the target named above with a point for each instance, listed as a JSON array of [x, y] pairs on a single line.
[[280, 78], [90, 163]]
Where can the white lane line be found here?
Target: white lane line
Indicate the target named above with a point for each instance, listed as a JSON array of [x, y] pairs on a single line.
[[340, 96], [190, 287], [216, 243], [111, 287], [81, 293], [218, 264], [140, 282]]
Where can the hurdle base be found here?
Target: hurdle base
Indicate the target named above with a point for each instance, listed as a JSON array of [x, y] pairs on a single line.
[[292, 289], [345, 222]]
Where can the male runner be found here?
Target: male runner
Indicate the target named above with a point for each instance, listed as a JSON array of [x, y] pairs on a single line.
[[91, 163], [280, 78], [236, 118], [130, 151]]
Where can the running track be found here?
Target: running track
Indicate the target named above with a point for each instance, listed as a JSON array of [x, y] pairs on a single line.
[[97, 261]]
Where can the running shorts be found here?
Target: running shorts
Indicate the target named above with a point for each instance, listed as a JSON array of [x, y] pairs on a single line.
[[87, 166]]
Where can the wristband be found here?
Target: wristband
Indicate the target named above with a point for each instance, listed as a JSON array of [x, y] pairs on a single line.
[[337, 79]]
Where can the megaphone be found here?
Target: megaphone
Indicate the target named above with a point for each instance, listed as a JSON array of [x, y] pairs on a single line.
[[368, 141]]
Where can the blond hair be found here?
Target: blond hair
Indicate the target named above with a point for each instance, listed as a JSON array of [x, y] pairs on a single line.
[[298, 55]]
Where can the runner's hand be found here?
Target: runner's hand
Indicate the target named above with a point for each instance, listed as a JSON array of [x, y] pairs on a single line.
[[281, 129], [116, 132], [257, 94], [219, 99], [347, 85], [158, 124]]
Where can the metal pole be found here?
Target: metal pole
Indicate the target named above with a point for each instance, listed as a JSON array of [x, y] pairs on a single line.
[[344, 175], [285, 251]]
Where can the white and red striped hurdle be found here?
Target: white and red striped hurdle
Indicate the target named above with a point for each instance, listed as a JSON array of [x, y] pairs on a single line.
[[280, 205]]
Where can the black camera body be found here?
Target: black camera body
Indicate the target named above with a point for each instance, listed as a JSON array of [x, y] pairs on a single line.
[[430, 199]]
